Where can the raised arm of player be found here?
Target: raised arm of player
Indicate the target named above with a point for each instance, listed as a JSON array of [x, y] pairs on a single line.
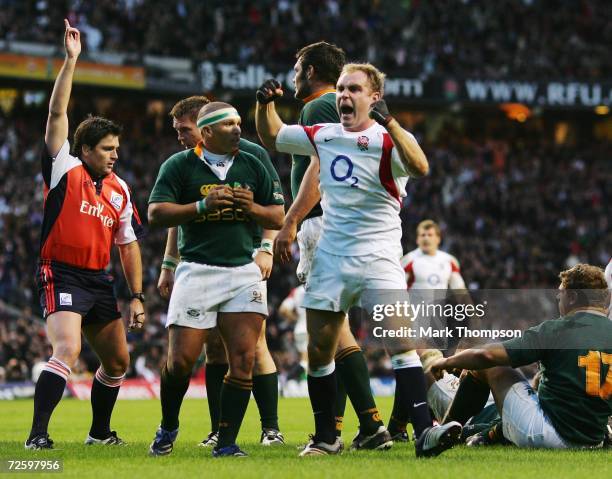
[[410, 153], [57, 122], [306, 199], [267, 121]]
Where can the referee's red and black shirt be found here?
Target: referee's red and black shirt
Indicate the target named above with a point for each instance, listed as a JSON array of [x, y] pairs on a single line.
[[84, 215]]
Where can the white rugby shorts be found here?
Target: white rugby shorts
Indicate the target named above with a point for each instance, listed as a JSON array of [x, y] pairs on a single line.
[[307, 239], [441, 394], [336, 283], [201, 291], [524, 422]]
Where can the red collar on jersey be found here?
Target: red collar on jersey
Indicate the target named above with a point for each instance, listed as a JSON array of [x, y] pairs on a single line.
[[316, 95]]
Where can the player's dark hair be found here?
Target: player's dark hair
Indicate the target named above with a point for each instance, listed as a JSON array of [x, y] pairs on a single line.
[[92, 130], [326, 58], [189, 107]]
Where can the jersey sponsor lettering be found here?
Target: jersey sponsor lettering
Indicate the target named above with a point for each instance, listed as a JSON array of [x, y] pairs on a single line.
[[96, 210], [225, 214]]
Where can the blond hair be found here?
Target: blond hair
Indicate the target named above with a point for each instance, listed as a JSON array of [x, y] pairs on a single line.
[[429, 224], [376, 78]]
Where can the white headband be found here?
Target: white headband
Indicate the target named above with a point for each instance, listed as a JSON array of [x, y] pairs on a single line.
[[217, 116]]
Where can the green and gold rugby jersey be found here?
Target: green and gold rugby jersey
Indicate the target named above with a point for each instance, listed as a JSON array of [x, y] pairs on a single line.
[[262, 155], [220, 238], [319, 108], [575, 354]]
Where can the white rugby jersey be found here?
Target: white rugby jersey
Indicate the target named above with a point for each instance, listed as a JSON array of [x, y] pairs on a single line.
[[437, 271], [362, 182]]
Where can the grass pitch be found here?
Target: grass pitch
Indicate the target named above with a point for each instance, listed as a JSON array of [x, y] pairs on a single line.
[[136, 422]]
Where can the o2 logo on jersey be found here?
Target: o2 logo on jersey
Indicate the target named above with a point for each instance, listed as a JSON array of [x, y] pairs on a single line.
[[434, 279], [341, 169]]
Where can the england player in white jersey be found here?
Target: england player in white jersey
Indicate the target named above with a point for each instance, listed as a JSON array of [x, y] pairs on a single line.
[[427, 267], [430, 269], [363, 166]]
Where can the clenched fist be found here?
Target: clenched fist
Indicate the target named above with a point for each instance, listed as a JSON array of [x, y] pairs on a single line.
[[380, 112], [269, 91]]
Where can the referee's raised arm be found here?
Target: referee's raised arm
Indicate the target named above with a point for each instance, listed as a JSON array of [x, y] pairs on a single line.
[[57, 122]]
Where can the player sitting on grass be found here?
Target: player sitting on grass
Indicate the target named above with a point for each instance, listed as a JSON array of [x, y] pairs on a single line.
[[574, 398]]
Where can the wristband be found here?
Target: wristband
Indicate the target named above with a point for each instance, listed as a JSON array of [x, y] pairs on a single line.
[[139, 296], [201, 206], [266, 246], [169, 263]]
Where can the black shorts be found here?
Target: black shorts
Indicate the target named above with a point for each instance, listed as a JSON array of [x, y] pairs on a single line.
[[65, 288]]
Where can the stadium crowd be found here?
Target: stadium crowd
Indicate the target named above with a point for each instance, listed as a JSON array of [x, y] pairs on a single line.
[[514, 210], [508, 38]]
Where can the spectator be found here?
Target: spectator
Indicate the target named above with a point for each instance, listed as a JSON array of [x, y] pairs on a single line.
[[517, 38]]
